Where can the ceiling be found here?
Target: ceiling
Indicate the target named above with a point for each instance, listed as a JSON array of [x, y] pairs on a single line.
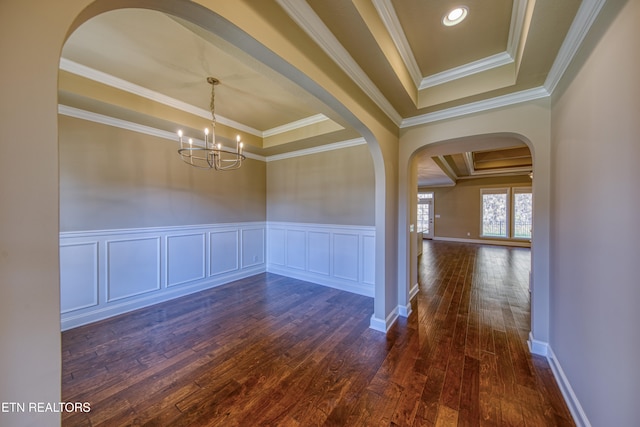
[[398, 51]]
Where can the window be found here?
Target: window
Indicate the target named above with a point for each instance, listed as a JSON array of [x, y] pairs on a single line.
[[495, 212], [506, 213], [425, 207], [522, 213]]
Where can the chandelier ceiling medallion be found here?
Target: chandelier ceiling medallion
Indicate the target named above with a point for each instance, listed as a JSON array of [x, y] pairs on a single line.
[[212, 155]]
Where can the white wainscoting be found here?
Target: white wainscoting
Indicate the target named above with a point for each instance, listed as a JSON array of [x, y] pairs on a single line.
[[338, 256], [109, 272]]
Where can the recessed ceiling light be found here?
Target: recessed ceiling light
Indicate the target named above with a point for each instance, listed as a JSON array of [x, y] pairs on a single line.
[[455, 16]]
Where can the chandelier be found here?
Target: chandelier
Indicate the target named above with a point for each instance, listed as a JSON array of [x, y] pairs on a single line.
[[213, 155]]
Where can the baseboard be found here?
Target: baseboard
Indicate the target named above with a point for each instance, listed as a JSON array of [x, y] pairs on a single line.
[[318, 279], [384, 325], [523, 244], [578, 414], [405, 311], [414, 291], [540, 348]]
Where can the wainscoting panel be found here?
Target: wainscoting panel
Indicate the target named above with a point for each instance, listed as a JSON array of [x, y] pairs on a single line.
[[253, 247], [133, 267], [338, 256], [108, 272], [186, 258], [296, 249], [369, 260], [78, 276], [320, 252], [276, 247], [346, 256], [224, 251]]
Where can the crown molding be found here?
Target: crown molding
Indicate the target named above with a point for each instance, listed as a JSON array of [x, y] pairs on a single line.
[[390, 19], [147, 130], [476, 107], [109, 80], [394, 28], [135, 127], [466, 70], [587, 14], [308, 121], [307, 20], [318, 149], [518, 14]]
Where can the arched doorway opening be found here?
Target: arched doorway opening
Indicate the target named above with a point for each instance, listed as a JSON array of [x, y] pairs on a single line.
[[529, 123]]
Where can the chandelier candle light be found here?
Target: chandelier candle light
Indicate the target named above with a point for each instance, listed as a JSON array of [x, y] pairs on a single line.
[[213, 155]]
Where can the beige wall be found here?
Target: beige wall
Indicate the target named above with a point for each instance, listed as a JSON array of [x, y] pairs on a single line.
[[459, 206], [112, 178], [331, 187], [29, 212], [595, 278]]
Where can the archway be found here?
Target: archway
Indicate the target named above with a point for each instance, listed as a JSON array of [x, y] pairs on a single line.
[[530, 123], [31, 368]]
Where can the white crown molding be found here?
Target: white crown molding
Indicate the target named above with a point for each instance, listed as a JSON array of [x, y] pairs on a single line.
[[318, 149], [466, 70], [476, 107], [518, 14], [135, 127], [308, 121], [307, 20], [147, 130], [394, 28], [390, 19], [587, 14], [109, 80]]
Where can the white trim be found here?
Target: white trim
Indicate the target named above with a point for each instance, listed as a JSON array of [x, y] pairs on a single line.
[[386, 324], [466, 70], [518, 14], [520, 244], [147, 130], [135, 127], [387, 14], [390, 19], [109, 80], [298, 124], [405, 311], [579, 416], [306, 18], [292, 256], [587, 14], [540, 348], [414, 291], [477, 107], [318, 149], [108, 306]]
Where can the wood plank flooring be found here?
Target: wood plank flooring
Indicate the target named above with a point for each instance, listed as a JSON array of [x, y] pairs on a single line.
[[274, 351]]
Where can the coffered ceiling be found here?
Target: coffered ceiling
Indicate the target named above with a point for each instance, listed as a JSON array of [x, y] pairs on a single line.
[[398, 51]]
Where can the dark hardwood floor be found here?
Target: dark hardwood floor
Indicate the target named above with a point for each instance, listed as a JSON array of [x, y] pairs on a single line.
[[274, 351]]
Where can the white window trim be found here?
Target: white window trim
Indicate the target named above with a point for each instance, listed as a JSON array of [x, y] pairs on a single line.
[[519, 190], [500, 190]]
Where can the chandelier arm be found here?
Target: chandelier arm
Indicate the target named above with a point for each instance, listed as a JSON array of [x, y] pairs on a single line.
[[216, 157]]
